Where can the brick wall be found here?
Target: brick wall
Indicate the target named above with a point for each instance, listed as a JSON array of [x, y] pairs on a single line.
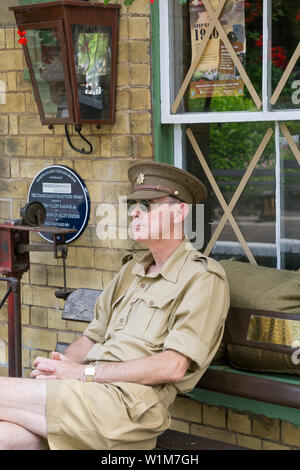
[[233, 427], [26, 147]]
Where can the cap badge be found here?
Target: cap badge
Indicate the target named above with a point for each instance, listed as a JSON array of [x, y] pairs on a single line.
[[140, 178]]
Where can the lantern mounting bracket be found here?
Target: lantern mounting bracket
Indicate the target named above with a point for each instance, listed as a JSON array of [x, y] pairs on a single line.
[[78, 130]]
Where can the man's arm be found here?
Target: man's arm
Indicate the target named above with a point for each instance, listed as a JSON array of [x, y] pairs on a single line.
[[79, 349], [164, 367]]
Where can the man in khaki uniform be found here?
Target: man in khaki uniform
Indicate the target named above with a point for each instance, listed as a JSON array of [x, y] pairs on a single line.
[[157, 326]]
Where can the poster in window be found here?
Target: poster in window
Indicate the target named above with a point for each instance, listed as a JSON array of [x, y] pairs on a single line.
[[216, 74]]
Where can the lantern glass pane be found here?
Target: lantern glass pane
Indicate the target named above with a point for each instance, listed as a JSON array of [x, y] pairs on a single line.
[[92, 56], [46, 59]]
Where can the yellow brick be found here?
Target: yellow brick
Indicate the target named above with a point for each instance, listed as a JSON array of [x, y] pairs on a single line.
[[139, 74], [25, 314], [84, 169], [13, 125], [2, 38], [30, 104], [122, 99], [12, 60], [107, 277], [123, 28], [42, 257], [214, 416], [29, 168], [5, 209], [55, 321], [32, 125], [180, 426], [3, 332], [65, 337], [112, 170], [249, 441], [139, 27], [14, 167], [15, 146], [139, 51], [140, 98], [35, 146], [121, 146], [140, 123], [267, 428], [142, 146], [25, 357], [139, 7], [39, 338], [105, 146], [122, 52], [53, 146], [89, 238], [16, 187], [4, 166], [113, 193], [76, 326], [22, 84], [122, 78], [4, 371], [85, 257], [37, 274], [107, 259], [76, 278], [79, 143], [213, 433], [3, 125], [238, 422], [38, 316], [14, 102], [290, 434], [266, 445], [12, 82], [186, 409], [41, 296], [10, 38]]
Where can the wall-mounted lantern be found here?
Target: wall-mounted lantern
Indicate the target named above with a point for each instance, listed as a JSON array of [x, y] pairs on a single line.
[[71, 50]]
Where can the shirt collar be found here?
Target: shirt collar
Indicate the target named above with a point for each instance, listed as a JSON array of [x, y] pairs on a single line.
[[172, 266]]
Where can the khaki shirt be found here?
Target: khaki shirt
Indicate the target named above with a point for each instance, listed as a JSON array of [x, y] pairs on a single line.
[[182, 307]]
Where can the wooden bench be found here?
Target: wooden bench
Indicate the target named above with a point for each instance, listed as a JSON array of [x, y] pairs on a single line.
[[220, 385]]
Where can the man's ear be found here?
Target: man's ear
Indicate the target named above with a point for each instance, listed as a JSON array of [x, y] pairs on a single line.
[[181, 211]]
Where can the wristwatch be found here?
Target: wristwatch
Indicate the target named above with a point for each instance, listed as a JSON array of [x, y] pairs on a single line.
[[89, 373]]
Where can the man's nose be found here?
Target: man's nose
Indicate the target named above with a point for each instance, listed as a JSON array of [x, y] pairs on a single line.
[[135, 211]]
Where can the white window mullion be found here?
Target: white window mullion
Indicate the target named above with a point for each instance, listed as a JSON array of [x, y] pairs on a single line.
[[267, 39], [178, 146], [278, 195], [164, 59]]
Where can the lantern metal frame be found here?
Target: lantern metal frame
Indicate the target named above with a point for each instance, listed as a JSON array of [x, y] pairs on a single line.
[[61, 15]]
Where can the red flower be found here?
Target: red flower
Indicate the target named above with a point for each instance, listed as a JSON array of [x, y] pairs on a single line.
[[258, 42], [22, 39]]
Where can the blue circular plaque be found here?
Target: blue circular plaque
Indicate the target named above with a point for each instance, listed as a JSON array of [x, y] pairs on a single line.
[[65, 197]]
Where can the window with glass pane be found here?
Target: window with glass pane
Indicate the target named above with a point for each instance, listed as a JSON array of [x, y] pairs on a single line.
[[92, 50], [285, 39], [45, 53], [216, 84], [229, 149]]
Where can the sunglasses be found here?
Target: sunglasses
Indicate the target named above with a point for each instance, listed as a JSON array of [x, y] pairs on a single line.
[[145, 204]]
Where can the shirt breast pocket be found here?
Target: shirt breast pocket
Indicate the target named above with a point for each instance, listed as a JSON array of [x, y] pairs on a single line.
[[149, 317]]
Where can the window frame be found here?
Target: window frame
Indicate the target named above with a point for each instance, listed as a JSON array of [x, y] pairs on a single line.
[[266, 114]]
